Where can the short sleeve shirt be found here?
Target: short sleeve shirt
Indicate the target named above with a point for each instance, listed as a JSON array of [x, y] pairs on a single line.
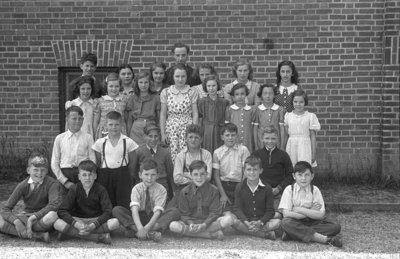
[[158, 196], [300, 197]]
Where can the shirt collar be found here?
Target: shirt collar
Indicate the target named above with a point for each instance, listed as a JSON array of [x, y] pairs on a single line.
[[121, 137], [263, 108], [297, 188], [235, 107], [78, 101], [290, 89], [259, 184], [174, 90], [70, 134], [225, 148], [154, 149], [270, 150], [30, 181], [108, 98]]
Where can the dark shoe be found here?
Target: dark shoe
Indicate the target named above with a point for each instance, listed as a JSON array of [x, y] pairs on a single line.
[[336, 241], [270, 235], [129, 233], [42, 236], [285, 237], [105, 238], [61, 236], [154, 235], [219, 235]]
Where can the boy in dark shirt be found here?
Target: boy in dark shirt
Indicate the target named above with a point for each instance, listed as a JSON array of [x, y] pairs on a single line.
[[86, 210], [254, 203], [40, 194]]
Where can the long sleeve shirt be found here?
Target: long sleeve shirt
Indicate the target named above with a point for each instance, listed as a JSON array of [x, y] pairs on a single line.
[[45, 198], [257, 205], [199, 204], [277, 167], [95, 204]]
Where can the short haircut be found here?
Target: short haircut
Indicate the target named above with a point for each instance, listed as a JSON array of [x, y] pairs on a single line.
[[302, 93], [253, 161], [274, 88], [155, 65], [89, 57], [193, 128], [136, 89], [149, 127], [301, 167], [197, 165], [110, 77], [81, 81], [123, 66], [229, 127], [148, 164], [211, 78], [74, 108], [242, 62], [87, 165], [180, 45], [237, 87], [178, 66], [206, 66], [38, 159], [114, 115], [270, 130]]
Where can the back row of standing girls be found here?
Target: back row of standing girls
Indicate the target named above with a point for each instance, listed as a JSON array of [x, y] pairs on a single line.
[[147, 99]]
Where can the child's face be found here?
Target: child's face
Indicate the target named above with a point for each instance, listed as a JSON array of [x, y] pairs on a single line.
[[180, 55], [88, 68], [203, 73], [242, 73], [152, 138], [87, 178], [85, 91], [74, 121], [239, 96], [286, 75], [270, 140], [113, 88], [126, 76], [149, 177], [252, 173], [229, 138], [199, 176], [37, 173], [268, 95], [158, 74], [144, 84], [212, 87], [180, 77], [114, 127], [303, 179], [298, 103], [193, 140]]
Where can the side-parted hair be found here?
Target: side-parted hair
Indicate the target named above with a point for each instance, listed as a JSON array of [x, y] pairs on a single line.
[[180, 45], [136, 88], [111, 77], [89, 57], [38, 160], [270, 130], [123, 66], [253, 161], [242, 62], [229, 127], [237, 87], [211, 78], [197, 165], [193, 128], [301, 167], [148, 164], [274, 88], [74, 108], [155, 65], [114, 115], [80, 81], [302, 93], [206, 66], [178, 66], [295, 75], [87, 165]]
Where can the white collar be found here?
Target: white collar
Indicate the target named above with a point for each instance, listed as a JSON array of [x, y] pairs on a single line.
[[235, 107], [70, 134], [297, 188], [290, 89], [154, 149], [122, 136], [108, 98], [174, 90], [225, 148], [263, 108], [248, 83], [78, 101], [30, 181], [270, 150], [259, 184]]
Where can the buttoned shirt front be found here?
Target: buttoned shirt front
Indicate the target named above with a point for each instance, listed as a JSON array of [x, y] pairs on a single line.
[[230, 161], [158, 196]]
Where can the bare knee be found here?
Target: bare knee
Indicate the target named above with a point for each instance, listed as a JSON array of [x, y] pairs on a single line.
[[60, 225], [274, 224], [2, 222], [50, 218], [113, 224], [227, 220]]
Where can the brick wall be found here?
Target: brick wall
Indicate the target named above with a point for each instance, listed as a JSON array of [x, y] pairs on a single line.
[[346, 51]]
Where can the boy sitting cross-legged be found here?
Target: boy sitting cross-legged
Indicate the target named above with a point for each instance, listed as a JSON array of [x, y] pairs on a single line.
[[86, 210], [200, 207], [146, 217], [303, 210], [40, 194], [254, 203]]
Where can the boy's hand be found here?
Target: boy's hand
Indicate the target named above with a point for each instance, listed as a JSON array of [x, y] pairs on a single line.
[[19, 226], [80, 226], [275, 191], [68, 184], [142, 233], [224, 200], [316, 206], [88, 228], [196, 228], [31, 220], [255, 226]]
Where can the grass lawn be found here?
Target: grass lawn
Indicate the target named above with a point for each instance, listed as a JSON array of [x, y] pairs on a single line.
[[365, 235]]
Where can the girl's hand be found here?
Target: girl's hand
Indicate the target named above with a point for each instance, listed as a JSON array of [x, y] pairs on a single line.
[[164, 139], [224, 200]]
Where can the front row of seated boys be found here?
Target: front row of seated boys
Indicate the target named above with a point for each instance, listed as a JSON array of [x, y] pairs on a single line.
[[86, 211]]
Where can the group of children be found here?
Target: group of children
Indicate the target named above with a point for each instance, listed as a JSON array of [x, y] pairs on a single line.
[[151, 158]]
